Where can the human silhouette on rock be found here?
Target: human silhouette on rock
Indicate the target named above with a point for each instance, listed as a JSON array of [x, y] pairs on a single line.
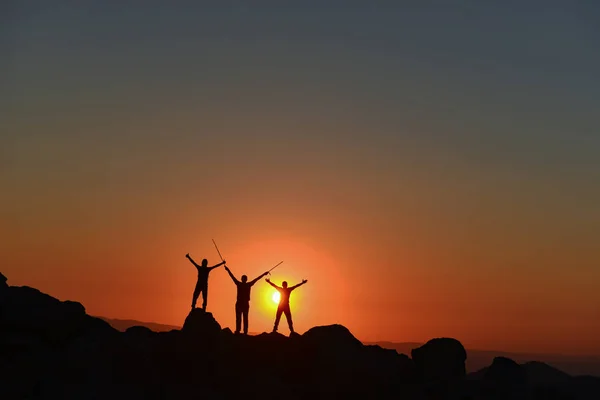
[[284, 303], [202, 284], [242, 304]]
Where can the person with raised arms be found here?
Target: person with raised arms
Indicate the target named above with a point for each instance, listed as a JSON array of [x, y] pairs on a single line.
[[242, 305], [284, 303], [202, 283]]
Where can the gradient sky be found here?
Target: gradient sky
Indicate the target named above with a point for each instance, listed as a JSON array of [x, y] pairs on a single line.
[[432, 168]]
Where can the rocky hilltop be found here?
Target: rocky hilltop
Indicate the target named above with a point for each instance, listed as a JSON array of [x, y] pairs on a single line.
[[51, 349]]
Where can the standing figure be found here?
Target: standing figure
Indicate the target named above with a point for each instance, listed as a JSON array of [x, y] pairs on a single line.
[[242, 305], [284, 303], [202, 284]]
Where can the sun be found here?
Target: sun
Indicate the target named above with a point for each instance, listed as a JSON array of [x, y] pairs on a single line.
[[275, 297]]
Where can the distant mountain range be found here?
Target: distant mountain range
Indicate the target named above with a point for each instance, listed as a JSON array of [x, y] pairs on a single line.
[[476, 360], [123, 324]]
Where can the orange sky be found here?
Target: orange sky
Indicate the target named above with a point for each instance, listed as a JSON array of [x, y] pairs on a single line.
[[437, 186]]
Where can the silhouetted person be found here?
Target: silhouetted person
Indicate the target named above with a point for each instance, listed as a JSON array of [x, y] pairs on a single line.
[[202, 284], [284, 303], [242, 305]]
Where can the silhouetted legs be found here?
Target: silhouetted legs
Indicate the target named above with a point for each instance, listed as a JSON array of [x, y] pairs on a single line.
[[200, 287], [241, 311], [204, 297], [288, 315]]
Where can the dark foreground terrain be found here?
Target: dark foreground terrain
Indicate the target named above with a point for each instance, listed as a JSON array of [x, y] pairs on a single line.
[[478, 359], [53, 350]]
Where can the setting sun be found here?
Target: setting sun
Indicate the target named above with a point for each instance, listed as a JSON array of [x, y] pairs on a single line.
[[275, 297]]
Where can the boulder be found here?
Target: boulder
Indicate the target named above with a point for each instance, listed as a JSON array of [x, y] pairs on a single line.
[[331, 347], [388, 363], [139, 332], [339, 362], [201, 324], [440, 360], [332, 339]]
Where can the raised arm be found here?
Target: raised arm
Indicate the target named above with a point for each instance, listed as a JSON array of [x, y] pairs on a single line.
[[192, 261], [298, 285], [231, 275], [217, 265], [252, 282], [272, 284]]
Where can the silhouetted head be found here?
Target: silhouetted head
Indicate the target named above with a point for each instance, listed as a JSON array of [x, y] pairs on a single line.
[[244, 278], [204, 262], [284, 284]]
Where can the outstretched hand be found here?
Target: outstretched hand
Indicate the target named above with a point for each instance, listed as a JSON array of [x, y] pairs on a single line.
[[267, 280], [304, 281], [187, 255]]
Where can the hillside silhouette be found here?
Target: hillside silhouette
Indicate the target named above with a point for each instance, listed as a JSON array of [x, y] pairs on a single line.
[[52, 349], [478, 358]]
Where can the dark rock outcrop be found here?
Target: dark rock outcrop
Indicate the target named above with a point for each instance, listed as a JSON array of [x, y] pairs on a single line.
[[332, 338], [139, 332], [440, 359], [53, 349], [440, 367], [505, 379], [29, 312], [506, 372], [201, 324]]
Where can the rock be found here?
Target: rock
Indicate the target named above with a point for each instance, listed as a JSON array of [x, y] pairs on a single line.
[[201, 324], [332, 339], [295, 335], [331, 344], [3, 280], [339, 362], [387, 362], [273, 337], [505, 379], [27, 311], [441, 358], [226, 332], [73, 307], [506, 372], [139, 331]]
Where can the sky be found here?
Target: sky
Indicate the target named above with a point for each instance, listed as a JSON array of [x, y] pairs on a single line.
[[431, 168]]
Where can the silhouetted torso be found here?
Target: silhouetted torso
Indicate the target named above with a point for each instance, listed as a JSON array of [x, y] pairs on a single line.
[[243, 291], [203, 274], [284, 300]]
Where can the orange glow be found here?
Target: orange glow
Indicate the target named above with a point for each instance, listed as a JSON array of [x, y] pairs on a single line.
[[398, 275]]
